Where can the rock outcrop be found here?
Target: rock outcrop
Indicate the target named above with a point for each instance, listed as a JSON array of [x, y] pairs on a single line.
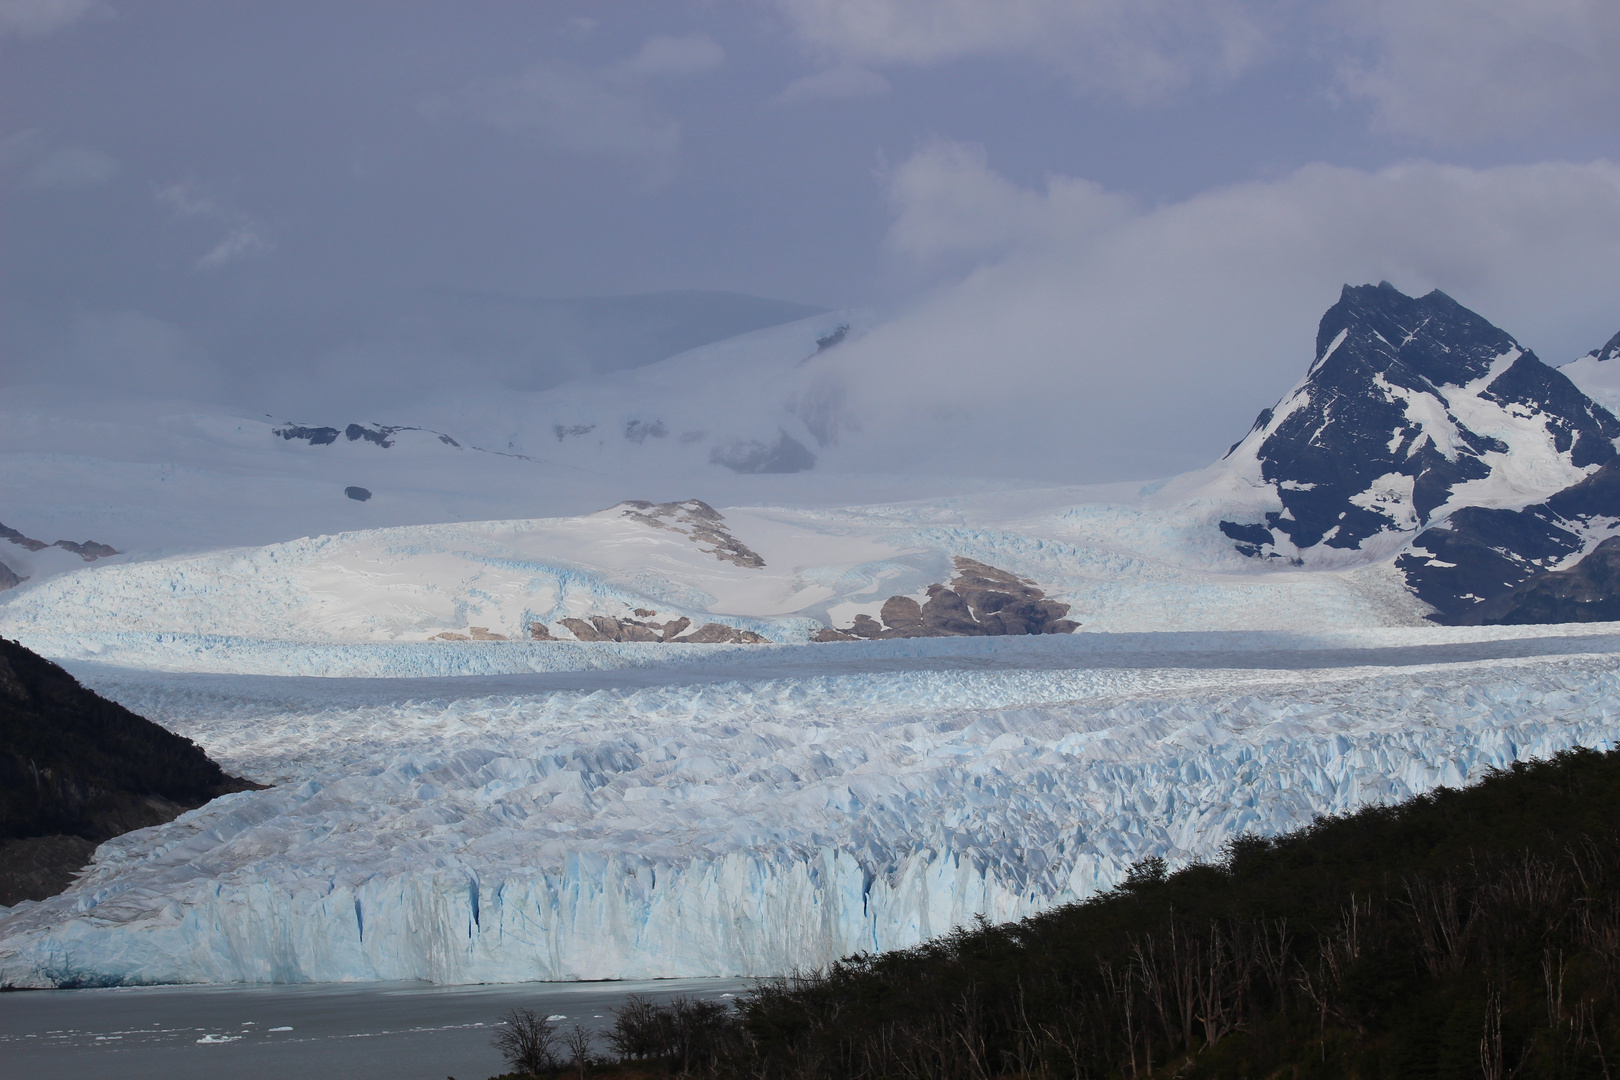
[[623, 628], [698, 522], [608, 628], [377, 434], [88, 550], [981, 601], [8, 577]]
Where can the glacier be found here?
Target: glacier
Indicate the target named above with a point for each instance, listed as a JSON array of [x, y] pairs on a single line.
[[752, 816]]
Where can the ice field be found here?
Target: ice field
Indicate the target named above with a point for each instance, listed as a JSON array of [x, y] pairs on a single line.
[[763, 810], [462, 789]]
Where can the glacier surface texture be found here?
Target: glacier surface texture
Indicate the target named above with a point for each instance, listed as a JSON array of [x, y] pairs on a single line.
[[752, 817]]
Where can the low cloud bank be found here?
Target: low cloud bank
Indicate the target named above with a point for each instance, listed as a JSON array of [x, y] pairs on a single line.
[[1096, 339]]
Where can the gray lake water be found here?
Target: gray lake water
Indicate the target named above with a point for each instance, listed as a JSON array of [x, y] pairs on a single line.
[[372, 1031]]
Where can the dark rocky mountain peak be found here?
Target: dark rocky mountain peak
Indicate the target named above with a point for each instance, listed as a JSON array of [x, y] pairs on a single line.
[[1408, 398], [1432, 336], [1609, 351]]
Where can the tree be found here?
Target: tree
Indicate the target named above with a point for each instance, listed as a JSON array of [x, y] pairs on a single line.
[[578, 1043], [525, 1040]]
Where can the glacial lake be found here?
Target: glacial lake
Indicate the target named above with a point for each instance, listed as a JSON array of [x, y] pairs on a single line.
[[370, 1031]]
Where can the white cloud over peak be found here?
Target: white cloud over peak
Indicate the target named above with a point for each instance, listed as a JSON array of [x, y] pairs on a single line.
[[948, 201], [1088, 322], [37, 18]]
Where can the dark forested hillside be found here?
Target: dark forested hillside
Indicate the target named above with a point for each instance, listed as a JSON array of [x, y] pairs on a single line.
[[1471, 933], [76, 769]]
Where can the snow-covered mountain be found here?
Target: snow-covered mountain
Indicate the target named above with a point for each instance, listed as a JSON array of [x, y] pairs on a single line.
[[1425, 434], [1597, 374], [748, 419], [1412, 408]]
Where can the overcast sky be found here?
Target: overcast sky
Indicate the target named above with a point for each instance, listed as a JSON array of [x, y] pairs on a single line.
[[1082, 197]]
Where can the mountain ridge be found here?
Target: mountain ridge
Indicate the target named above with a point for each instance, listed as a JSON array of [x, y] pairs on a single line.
[[1381, 433]]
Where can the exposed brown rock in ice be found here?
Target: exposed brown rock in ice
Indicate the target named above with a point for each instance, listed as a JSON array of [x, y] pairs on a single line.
[[89, 550], [698, 522], [981, 601], [608, 628]]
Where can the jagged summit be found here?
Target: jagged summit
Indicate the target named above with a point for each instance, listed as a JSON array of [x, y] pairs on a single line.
[[1412, 405], [1609, 351]]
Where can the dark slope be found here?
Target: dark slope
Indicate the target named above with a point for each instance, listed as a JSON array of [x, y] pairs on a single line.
[[77, 769], [1589, 591], [1463, 933], [1387, 367], [1610, 351], [1480, 555]]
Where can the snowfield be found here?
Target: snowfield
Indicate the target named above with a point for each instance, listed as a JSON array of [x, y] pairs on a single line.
[[582, 810], [674, 819], [376, 603]]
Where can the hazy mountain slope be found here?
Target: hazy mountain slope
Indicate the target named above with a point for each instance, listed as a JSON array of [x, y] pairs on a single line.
[[738, 421]]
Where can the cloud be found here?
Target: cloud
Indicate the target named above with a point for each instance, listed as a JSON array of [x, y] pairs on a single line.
[[1463, 70], [690, 54], [187, 200], [67, 168], [72, 168], [1445, 71], [245, 235], [121, 354], [1097, 340], [835, 84], [242, 241], [1140, 50], [948, 201], [37, 18], [572, 111], [608, 112]]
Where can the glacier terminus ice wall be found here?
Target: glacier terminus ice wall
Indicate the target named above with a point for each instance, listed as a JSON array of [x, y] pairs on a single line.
[[677, 824]]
